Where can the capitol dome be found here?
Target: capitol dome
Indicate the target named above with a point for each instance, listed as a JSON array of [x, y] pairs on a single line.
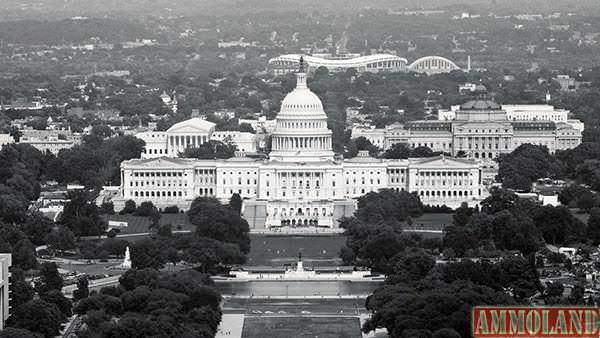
[[301, 132], [301, 101]]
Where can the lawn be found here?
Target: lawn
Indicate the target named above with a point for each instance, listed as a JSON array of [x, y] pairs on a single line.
[[301, 327], [433, 221], [280, 250]]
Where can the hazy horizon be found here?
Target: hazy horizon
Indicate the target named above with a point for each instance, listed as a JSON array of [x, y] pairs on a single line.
[[17, 9]]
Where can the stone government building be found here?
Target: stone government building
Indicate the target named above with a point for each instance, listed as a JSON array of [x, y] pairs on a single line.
[[302, 183], [482, 130]]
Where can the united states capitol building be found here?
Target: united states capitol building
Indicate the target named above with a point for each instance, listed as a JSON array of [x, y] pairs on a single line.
[[301, 183]]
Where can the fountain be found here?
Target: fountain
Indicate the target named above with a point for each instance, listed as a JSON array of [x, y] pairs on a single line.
[[300, 274]]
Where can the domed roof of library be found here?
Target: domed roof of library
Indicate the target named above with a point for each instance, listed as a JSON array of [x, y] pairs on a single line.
[[480, 105]]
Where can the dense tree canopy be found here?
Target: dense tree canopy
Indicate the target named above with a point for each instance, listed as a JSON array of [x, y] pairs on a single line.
[[402, 308], [81, 215], [217, 221], [96, 162], [388, 205], [149, 303], [526, 164], [37, 316]]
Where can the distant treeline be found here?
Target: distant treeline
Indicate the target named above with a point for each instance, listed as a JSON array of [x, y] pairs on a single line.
[[60, 8], [70, 31]]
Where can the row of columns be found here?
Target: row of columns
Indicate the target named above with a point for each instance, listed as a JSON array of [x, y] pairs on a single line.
[[293, 143], [481, 143], [181, 142]]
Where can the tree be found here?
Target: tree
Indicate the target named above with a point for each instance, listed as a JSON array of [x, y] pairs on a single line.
[[373, 245], [37, 316], [593, 226], [462, 215], [21, 290], [589, 173], [108, 208], [145, 209], [57, 298], [499, 200], [401, 308], [146, 254], [235, 203], [422, 152], [211, 150], [15, 133], [149, 210], [412, 264], [246, 128], [398, 151], [570, 194], [37, 227], [129, 207], [82, 290], [359, 144], [210, 253], [460, 239], [24, 255], [388, 205], [82, 216], [558, 225], [214, 220], [133, 278], [445, 333], [526, 164], [61, 239], [50, 278], [171, 210], [165, 231], [11, 332]]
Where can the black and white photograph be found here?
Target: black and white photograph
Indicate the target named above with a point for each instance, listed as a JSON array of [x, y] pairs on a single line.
[[299, 168]]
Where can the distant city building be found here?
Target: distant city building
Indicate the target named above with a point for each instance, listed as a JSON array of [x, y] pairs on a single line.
[[5, 139], [375, 63], [5, 263], [302, 183], [569, 84], [241, 43], [472, 88], [261, 124], [169, 101], [52, 141]]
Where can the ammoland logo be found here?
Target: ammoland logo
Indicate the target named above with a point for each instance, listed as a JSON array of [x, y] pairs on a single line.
[[569, 321]]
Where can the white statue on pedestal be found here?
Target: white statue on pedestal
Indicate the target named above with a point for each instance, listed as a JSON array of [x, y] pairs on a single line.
[[127, 260], [300, 266]]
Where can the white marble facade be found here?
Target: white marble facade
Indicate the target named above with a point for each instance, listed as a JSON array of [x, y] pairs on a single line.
[[302, 183]]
